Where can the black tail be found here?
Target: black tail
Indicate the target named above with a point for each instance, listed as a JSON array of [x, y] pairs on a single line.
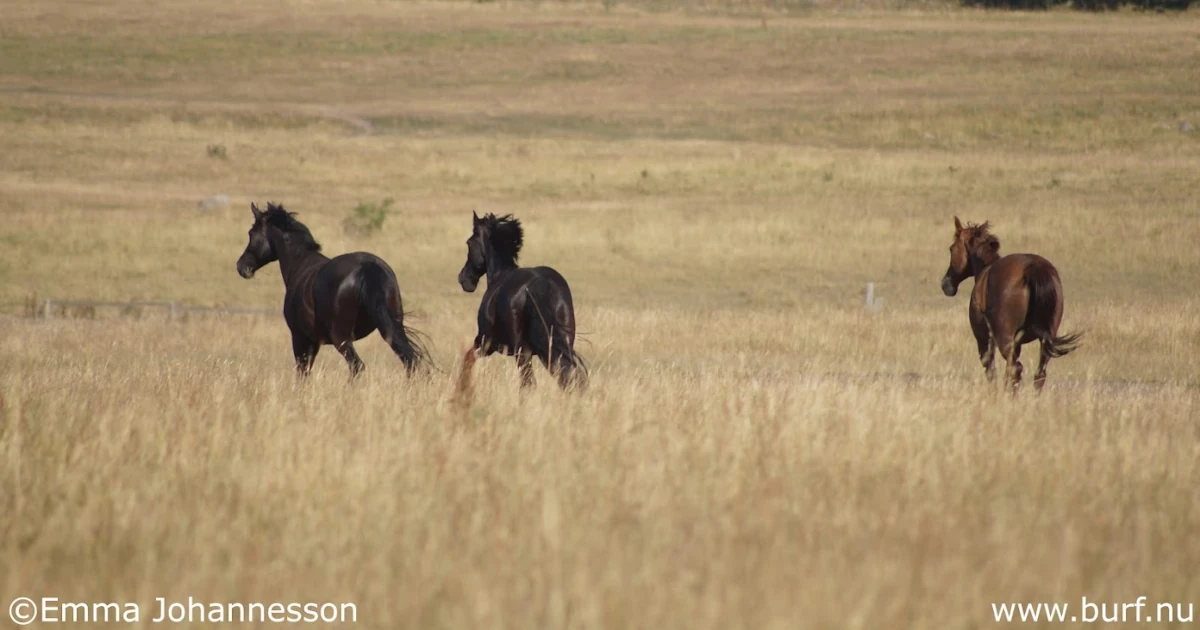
[[572, 370], [1045, 298], [551, 337], [374, 284]]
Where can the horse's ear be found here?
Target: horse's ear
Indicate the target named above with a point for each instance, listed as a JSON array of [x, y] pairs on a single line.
[[957, 225], [257, 213], [475, 217]]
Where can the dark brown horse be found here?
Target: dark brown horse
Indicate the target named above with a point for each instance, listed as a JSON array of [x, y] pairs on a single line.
[[525, 312], [334, 302], [1017, 299]]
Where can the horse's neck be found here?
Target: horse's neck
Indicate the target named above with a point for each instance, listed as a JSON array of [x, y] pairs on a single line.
[[294, 260], [297, 267], [496, 268], [981, 262]]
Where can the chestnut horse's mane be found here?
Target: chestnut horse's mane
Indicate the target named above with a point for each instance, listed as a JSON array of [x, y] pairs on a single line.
[[979, 236]]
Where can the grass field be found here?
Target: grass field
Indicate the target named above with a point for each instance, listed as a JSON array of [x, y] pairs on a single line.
[[756, 448]]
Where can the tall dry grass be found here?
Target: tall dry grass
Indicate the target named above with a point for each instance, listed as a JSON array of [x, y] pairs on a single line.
[[756, 448]]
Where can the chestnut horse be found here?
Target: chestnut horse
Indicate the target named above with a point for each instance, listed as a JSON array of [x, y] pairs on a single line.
[[334, 302], [525, 311], [1017, 299]]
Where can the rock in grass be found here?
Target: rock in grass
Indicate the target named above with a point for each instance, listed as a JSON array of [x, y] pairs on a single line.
[[213, 202]]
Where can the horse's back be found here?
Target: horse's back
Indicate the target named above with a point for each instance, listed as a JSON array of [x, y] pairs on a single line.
[[1013, 270], [344, 265], [537, 282], [555, 282]]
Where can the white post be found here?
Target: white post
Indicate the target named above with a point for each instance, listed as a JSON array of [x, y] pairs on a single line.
[[870, 294], [46, 309]]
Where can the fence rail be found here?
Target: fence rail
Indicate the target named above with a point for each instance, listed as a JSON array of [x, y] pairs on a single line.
[[45, 310]]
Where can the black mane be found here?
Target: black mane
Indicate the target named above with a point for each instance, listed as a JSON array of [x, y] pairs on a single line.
[[505, 234], [279, 218]]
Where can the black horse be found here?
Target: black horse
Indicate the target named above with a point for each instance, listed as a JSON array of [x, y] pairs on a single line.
[[525, 312], [336, 301]]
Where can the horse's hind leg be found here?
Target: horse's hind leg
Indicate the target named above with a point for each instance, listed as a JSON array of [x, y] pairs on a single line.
[[1011, 351], [563, 367], [1039, 379], [565, 372], [525, 364], [1016, 367], [346, 348]]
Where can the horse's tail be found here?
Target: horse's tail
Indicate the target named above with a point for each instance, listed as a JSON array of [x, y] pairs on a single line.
[[1045, 300], [464, 391], [374, 285], [551, 335]]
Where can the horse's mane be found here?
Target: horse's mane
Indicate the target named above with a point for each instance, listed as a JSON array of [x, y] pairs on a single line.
[[980, 236], [277, 217], [505, 234]]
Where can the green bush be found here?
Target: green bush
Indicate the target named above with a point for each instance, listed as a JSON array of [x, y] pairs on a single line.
[[368, 218]]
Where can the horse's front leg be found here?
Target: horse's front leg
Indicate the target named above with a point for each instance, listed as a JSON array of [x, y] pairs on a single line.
[[305, 352], [985, 343]]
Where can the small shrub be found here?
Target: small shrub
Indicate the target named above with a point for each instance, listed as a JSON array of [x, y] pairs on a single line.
[[368, 218], [217, 151]]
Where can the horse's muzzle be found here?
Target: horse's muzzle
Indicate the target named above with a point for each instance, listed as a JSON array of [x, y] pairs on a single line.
[[948, 287], [467, 283], [245, 271]]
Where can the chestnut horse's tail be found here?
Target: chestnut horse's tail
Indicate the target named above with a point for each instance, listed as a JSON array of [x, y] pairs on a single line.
[[1045, 306], [375, 283]]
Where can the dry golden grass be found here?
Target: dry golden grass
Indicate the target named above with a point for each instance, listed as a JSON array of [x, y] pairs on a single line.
[[756, 449]]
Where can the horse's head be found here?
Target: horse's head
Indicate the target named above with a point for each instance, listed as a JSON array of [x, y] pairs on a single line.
[[495, 239], [971, 242], [476, 264], [258, 251]]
